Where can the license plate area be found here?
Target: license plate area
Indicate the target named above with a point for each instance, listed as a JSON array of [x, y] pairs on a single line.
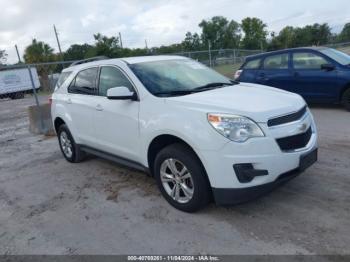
[[307, 160]]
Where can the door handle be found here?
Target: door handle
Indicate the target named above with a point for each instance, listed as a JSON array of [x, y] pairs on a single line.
[[99, 107], [69, 101]]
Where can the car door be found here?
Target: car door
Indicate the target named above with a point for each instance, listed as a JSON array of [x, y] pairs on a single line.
[[80, 103], [248, 71], [310, 80], [116, 121], [275, 71]]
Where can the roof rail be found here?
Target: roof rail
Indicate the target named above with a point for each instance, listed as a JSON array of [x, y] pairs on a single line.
[[96, 58]]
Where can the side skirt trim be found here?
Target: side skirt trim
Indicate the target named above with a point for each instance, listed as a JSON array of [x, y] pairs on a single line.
[[114, 158]]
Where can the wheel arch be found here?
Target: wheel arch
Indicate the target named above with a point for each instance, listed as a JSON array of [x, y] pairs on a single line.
[[58, 122], [161, 141], [344, 89]]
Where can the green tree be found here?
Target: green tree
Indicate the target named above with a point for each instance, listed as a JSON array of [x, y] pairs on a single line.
[[285, 38], [77, 52], [344, 35], [3, 57], [220, 32], [254, 33], [191, 42], [316, 34], [309, 35], [38, 52], [104, 45]]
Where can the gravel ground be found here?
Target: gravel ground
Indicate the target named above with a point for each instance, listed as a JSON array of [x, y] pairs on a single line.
[[49, 206]]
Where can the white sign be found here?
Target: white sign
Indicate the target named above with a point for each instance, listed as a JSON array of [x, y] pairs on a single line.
[[16, 80]]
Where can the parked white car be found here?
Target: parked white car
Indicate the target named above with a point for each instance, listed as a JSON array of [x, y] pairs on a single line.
[[201, 135]]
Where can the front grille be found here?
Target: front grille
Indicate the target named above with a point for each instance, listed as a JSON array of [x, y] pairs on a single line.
[[286, 118], [294, 142]]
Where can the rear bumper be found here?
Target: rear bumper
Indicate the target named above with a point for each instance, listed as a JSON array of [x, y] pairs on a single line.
[[232, 196]]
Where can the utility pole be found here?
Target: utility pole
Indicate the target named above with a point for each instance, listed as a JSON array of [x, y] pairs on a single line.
[[146, 44], [209, 47], [58, 41], [19, 58], [120, 39]]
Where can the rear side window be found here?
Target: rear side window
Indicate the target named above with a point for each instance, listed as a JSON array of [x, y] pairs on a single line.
[[276, 61], [85, 82], [112, 77], [307, 60], [62, 78], [253, 64]]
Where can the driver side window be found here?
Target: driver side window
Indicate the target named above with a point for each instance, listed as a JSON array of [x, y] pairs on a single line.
[[112, 77], [306, 60]]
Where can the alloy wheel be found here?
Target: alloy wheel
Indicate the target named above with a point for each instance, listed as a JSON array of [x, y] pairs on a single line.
[[176, 180]]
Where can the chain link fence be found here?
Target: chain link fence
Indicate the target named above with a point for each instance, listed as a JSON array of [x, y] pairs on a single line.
[[42, 77], [344, 47], [225, 61]]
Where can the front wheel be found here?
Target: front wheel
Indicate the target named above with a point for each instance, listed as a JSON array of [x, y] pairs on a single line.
[[346, 99], [181, 178]]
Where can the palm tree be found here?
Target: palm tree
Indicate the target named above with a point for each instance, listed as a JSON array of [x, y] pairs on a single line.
[[39, 52]]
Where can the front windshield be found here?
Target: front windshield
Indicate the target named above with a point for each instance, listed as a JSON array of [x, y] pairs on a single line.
[[336, 55], [178, 75]]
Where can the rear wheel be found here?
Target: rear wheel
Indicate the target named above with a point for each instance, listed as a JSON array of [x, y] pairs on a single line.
[[69, 148], [17, 95], [346, 99], [181, 178]]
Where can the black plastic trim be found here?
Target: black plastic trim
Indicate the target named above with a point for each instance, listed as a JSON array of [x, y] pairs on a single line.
[[233, 196], [286, 118], [296, 141], [114, 158], [246, 172]]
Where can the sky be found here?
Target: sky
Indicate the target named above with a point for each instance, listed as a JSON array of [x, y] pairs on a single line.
[[161, 22]]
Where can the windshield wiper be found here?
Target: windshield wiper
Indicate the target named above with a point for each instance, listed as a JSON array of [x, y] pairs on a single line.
[[210, 86], [206, 87], [174, 93]]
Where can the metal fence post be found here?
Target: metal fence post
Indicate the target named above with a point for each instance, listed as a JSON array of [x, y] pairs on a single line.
[[42, 126], [209, 53]]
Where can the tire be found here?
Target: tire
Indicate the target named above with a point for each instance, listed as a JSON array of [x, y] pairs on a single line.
[[17, 95], [194, 182], [69, 148], [346, 99]]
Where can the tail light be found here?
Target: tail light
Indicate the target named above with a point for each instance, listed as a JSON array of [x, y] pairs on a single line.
[[237, 74]]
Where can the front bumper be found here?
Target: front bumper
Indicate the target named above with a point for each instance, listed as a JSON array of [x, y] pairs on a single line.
[[232, 196], [239, 172]]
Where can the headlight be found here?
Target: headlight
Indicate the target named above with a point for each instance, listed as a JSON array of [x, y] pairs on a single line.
[[235, 128]]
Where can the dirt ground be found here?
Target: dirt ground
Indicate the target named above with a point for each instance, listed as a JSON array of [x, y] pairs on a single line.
[[49, 206]]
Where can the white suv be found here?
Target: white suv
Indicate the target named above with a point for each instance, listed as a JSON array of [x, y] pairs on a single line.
[[201, 135]]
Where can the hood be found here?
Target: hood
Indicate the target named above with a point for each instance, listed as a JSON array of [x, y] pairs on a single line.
[[257, 102]]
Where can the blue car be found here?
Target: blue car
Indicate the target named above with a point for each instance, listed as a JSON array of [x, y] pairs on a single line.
[[318, 74]]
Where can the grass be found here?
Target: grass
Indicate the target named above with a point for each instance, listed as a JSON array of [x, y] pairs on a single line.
[[227, 70]]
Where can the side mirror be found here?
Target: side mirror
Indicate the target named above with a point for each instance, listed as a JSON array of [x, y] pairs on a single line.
[[121, 93], [327, 67]]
